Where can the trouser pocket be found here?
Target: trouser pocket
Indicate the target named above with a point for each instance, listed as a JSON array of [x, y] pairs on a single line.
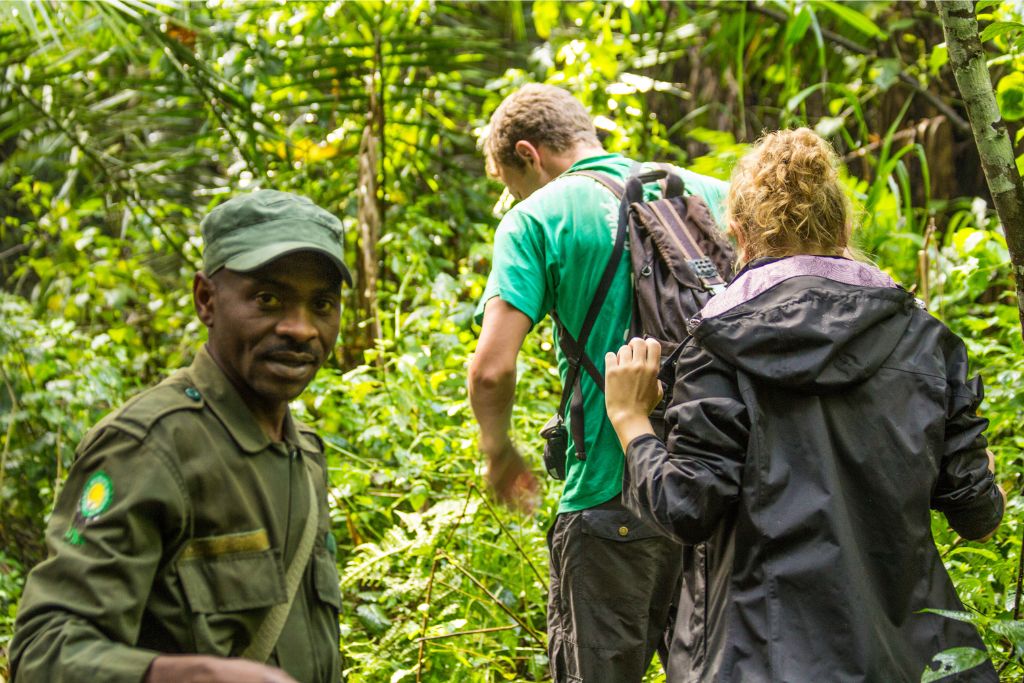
[[613, 579]]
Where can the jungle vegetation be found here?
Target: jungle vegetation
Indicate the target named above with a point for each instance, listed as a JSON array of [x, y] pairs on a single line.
[[122, 122]]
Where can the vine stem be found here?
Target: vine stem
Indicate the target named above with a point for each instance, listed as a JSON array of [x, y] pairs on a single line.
[[1020, 579]]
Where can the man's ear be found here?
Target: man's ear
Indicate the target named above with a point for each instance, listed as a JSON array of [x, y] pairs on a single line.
[[528, 153], [203, 290]]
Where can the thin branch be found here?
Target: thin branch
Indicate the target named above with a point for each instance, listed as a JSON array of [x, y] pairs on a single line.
[[455, 634], [13, 251], [497, 601], [501, 525]]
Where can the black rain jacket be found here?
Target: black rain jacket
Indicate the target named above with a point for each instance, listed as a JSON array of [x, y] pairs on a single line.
[[818, 414]]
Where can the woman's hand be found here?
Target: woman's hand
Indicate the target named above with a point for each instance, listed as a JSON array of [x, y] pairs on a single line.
[[631, 388]]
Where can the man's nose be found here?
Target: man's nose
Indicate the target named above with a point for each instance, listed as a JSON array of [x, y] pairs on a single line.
[[297, 324]]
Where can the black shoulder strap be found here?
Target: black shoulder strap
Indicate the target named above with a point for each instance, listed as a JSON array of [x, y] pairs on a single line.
[[575, 349]]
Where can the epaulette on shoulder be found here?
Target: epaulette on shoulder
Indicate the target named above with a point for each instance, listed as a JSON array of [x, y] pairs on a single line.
[[144, 410], [308, 437]]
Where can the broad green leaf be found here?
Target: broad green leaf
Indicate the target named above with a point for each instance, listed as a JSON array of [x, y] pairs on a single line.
[[951, 614], [827, 126], [885, 72], [968, 550], [953, 661], [938, 58], [797, 28], [1000, 28], [793, 102], [1014, 630], [854, 19]]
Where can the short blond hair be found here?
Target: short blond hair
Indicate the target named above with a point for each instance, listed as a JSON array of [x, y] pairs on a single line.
[[786, 198], [541, 115]]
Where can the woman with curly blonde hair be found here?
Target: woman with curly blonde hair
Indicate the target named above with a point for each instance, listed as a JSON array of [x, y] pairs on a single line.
[[817, 416]]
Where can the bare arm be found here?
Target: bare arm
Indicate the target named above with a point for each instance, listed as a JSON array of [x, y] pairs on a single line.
[[492, 388]]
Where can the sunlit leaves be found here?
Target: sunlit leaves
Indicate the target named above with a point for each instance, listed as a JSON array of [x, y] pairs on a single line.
[[1010, 96]]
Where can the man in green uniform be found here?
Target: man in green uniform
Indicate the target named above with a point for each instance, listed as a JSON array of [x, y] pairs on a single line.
[[612, 577], [192, 540]]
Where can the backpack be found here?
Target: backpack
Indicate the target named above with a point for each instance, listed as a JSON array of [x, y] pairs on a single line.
[[679, 260]]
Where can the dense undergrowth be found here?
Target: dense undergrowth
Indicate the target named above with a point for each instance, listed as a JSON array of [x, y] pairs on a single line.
[[120, 124]]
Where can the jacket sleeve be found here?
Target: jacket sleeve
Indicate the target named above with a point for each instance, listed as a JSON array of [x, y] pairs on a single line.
[[688, 485], [82, 607], [965, 490]]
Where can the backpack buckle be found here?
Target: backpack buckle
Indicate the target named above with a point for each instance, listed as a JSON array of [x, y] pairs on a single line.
[[708, 275]]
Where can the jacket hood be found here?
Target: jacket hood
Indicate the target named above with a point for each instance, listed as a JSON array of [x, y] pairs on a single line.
[[816, 323]]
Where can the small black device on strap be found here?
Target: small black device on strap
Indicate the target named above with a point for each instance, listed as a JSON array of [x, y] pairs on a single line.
[[555, 434]]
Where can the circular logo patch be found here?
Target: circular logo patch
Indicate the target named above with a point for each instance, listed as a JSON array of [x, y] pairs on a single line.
[[96, 496]]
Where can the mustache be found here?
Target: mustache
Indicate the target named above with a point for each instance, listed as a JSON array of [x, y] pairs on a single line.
[[293, 349]]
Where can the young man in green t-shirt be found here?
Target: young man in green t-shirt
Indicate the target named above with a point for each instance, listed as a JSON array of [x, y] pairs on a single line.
[[612, 577]]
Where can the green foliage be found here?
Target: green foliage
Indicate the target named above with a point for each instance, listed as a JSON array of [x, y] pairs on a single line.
[[121, 123], [959, 659], [953, 661]]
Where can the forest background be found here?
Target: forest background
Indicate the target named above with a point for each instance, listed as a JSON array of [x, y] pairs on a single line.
[[123, 122]]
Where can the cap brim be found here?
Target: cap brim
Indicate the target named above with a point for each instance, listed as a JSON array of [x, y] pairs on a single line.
[[257, 258]]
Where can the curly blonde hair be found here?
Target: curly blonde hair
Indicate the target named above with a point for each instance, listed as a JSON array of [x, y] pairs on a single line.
[[785, 197], [541, 115]]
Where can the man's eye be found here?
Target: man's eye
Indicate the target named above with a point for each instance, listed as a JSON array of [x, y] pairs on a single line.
[[323, 306], [266, 299]]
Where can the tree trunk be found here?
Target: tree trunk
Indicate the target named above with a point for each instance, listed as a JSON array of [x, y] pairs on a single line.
[[369, 219], [967, 57]]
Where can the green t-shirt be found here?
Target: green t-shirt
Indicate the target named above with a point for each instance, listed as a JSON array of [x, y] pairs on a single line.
[[550, 251]]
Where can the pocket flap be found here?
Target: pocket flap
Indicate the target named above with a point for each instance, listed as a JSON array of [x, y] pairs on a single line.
[[616, 525], [325, 575], [232, 582]]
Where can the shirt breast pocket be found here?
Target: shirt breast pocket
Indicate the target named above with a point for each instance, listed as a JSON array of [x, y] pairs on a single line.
[[229, 595]]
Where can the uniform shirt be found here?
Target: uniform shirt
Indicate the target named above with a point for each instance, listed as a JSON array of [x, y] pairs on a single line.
[[549, 253], [172, 535]]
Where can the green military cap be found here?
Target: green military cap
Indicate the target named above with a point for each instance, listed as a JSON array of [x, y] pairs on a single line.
[[251, 230]]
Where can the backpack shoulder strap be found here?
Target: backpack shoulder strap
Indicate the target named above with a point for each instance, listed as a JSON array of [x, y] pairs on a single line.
[[613, 184], [575, 350]]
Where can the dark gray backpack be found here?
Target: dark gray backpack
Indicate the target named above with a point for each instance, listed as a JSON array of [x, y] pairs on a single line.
[[679, 259]]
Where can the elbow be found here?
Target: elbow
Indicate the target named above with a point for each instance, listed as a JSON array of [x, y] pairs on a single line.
[[489, 377]]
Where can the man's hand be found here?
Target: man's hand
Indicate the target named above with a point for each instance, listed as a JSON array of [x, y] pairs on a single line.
[[510, 478], [631, 388], [492, 390], [206, 669]]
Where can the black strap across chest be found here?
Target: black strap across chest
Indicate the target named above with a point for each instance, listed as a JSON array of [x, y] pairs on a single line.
[[574, 348]]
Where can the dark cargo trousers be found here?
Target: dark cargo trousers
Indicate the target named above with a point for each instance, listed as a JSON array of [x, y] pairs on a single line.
[[614, 584]]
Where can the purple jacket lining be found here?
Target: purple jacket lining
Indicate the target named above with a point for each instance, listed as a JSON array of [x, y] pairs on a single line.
[[758, 280]]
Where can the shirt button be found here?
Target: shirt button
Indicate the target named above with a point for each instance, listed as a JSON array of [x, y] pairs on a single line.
[[623, 531], [193, 394]]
